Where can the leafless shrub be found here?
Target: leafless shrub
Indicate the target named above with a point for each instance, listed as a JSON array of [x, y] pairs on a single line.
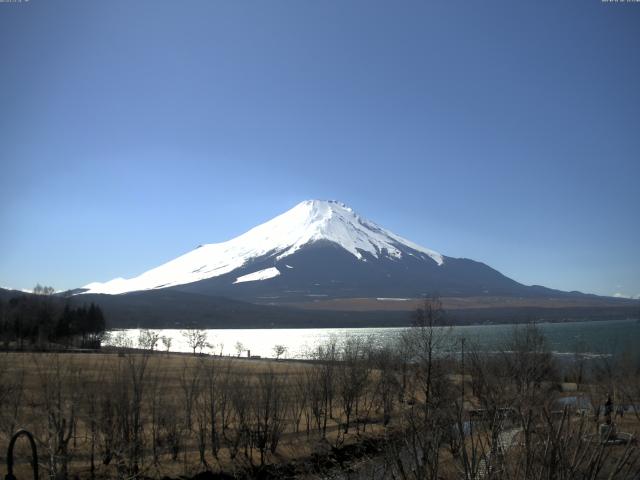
[[58, 397]]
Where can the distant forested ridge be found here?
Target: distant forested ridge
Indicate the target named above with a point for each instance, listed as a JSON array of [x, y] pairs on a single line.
[[42, 320]]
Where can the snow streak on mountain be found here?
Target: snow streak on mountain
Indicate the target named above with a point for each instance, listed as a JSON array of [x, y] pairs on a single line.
[[307, 223]]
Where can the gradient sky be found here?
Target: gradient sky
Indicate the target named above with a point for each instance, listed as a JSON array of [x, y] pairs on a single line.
[[503, 131]]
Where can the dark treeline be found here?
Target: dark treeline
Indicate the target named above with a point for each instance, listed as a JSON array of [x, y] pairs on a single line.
[[42, 320]]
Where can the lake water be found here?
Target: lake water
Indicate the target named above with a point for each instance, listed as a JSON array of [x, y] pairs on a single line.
[[611, 337]]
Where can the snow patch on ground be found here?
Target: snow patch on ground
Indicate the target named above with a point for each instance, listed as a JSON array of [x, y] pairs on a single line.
[[259, 275]]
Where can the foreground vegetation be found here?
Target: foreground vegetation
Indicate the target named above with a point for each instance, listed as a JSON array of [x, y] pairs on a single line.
[[402, 411]]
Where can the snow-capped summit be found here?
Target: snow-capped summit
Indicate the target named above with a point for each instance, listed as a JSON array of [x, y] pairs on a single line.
[[333, 221], [308, 223]]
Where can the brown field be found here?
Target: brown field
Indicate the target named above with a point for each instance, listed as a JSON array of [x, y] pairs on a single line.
[[173, 383]]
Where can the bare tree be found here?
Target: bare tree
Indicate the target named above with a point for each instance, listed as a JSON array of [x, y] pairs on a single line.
[[148, 339], [203, 421], [299, 400], [190, 386], [157, 405], [122, 340], [59, 397], [279, 350], [352, 376], [529, 360], [417, 455], [267, 411], [196, 339], [315, 379], [237, 433], [91, 393], [166, 342], [628, 384], [43, 290], [212, 403], [384, 361], [12, 391], [122, 415]]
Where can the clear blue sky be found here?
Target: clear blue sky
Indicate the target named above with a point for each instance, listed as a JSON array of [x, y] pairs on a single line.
[[503, 131]]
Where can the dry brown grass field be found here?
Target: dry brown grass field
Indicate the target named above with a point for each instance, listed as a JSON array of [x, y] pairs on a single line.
[[90, 390]]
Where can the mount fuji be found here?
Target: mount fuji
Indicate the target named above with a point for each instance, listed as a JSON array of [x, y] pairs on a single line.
[[320, 250]]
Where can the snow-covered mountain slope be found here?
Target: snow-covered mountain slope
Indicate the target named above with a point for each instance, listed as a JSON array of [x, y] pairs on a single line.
[[307, 223]]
